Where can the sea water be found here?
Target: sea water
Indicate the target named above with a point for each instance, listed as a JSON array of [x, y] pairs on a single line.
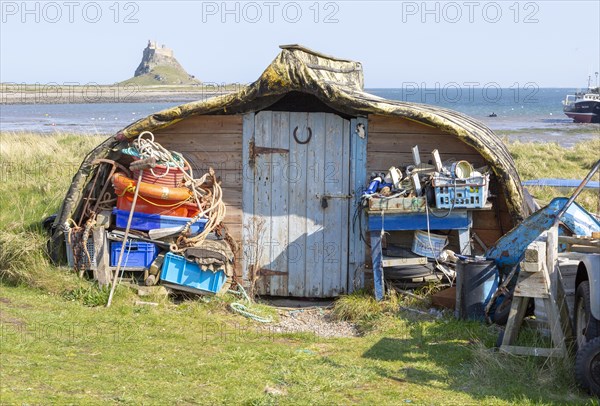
[[526, 114]]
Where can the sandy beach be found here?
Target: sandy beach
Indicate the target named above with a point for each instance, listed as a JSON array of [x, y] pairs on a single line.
[[15, 93]]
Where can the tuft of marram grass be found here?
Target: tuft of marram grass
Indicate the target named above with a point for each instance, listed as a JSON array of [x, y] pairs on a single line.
[[490, 367], [19, 253], [550, 160], [35, 172], [356, 306], [362, 306]]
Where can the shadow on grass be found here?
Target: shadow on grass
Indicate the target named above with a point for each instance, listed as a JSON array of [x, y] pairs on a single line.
[[447, 353]]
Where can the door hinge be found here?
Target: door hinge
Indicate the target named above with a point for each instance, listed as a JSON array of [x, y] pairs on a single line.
[[254, 150], [333, 196], [270, 272]]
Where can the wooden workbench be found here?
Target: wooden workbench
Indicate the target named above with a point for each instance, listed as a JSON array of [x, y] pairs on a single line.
[[380, 221]]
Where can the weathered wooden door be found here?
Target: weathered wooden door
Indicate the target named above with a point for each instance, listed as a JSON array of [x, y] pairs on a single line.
[[297, 202]]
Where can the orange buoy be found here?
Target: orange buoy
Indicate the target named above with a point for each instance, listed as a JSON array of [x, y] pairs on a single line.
[[154, 199], [122, 182]]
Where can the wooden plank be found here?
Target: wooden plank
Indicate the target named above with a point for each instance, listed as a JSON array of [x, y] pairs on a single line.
[[418, 221], [247, 201], [210, 124], [336, 216], [590, 242], [358, 177], [399, 204], [515, 318], [297, 248], [485, 220], [280, 128], [195, 142], [464, 239], [317, 155], [556, 330], [531, 285], [102, 272], [531, 351], [219, 161], [395, 261], [383, 160], [262, 196], [346, 210], [379, 123], [449, 146], [552, 259], [489, 237]]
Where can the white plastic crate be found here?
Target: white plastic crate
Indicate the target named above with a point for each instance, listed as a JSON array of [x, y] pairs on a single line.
[[470, 193]]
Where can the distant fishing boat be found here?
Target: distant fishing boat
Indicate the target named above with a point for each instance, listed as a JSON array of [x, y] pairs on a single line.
[[584, 107]]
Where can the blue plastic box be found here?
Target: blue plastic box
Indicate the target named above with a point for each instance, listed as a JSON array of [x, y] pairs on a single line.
[[145, 222], [137, 253], [182, 274]]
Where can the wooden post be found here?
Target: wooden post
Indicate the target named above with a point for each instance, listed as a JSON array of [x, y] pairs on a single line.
[[551, 259], [378, 279], [102, 248]]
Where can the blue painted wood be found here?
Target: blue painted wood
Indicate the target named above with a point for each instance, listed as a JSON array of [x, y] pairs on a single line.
[[358, 177], [297, 202], [418, 221], [315, 214], [280, 138], [566, 183], [509, 249], [376, 255], [302, 240]]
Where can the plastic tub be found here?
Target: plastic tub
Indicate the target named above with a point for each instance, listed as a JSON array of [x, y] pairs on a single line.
[[84, 263], [174, 177], [137, 253], [179, 273], [454, 193], [428, 245], [155, 206], [478, 282], [145, 221]]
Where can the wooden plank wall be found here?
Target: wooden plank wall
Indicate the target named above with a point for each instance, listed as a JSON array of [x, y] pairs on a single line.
[[213, 141], [390, 143]]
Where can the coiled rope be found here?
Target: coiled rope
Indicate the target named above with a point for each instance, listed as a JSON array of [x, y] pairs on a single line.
[[244, 310], [215, 210]]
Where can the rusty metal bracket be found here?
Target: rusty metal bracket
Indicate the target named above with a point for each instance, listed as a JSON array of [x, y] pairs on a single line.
[[270, 272], [253, 151]]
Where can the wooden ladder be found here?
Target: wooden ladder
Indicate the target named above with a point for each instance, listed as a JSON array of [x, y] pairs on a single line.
[[539, 278]]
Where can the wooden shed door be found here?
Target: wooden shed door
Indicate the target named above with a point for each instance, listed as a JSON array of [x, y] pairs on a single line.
[[298, 174]]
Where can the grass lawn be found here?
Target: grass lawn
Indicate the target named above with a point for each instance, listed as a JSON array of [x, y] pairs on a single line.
[[56, 348]]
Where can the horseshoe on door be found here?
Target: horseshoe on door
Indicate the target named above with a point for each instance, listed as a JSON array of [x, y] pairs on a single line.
[[307, 140]]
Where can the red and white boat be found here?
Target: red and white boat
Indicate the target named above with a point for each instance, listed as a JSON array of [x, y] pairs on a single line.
[[583, 107]]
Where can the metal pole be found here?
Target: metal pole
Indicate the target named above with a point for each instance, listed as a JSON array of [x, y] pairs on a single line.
[[116, 278]]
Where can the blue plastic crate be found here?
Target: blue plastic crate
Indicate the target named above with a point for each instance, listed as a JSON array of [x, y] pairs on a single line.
[[137, 253], [145, 222], [188, 276], [470, 193]]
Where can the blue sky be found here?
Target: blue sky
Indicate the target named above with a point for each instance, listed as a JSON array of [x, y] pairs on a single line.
[[550, 43]]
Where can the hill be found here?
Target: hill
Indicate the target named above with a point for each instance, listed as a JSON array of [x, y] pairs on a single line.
[[160, 67]]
